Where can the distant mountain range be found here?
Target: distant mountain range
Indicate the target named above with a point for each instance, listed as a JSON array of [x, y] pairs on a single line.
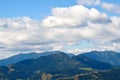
[[109, 57], [24, 56], [58, 65]]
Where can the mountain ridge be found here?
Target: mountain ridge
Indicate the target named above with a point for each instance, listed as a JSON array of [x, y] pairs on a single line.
[[110, 57], [53, 67], [24, 56]]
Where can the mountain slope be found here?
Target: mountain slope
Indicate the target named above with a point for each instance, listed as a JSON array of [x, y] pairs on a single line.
[[55, 66], [59, 61], [110, 57], [53, 63], [92, 63], [113, 74], [20, 57]]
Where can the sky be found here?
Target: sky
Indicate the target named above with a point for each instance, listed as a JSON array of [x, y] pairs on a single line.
[[36, 9], [71, 26]]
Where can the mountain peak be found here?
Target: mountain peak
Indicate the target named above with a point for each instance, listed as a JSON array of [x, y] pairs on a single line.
[[107, 51], [55, 52], [110, 57]]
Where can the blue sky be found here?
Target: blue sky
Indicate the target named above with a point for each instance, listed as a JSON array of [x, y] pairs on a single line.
[[33, 8], [36, 9], [73, 26]]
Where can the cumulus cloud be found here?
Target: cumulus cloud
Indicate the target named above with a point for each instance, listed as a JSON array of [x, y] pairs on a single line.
[[89, 2], [66, 26], [75, 16], [112, 7]]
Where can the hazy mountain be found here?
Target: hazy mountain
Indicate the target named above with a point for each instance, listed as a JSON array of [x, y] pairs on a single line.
[[54, 63], [51, 62], [110, 57], [24, 56], [91, 62], [55, 66]]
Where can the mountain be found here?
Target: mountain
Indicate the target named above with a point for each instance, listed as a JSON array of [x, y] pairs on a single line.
[[60, 61], [112, 74], [23, 56], [50, 67], [51, 62], [110, 57], [91, 62]]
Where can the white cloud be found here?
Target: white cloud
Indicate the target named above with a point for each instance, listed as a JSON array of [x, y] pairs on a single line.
[[66, 26], [75, 16], [66, 17], [112, 7], [89, 2]]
